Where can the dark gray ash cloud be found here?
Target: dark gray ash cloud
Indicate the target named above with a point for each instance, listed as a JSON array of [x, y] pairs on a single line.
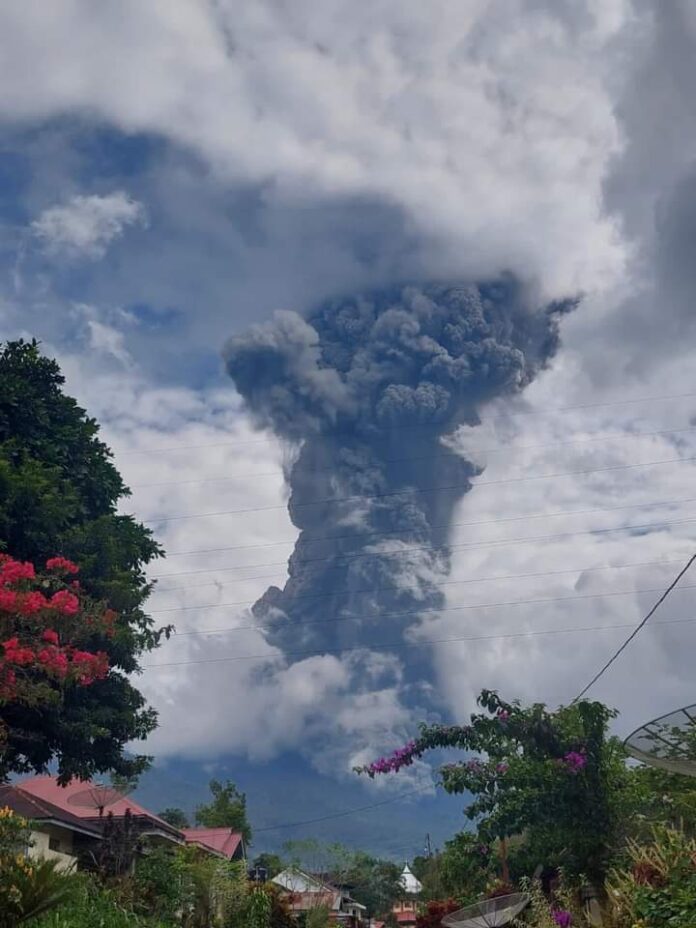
[[367, 387]]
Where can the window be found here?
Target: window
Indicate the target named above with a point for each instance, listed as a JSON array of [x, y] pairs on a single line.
[[53, 843]]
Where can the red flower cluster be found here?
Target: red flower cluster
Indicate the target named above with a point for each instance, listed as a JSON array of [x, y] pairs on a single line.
[[30, 648], [15, 653], [11, 571], [62, 564]]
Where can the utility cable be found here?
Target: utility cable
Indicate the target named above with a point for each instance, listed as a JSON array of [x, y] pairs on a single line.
[[235, 628], [545, 573], [414, 491], [453, 453], [363, 536], [638, 628], [407, 644], [505, 416], [498, 543]]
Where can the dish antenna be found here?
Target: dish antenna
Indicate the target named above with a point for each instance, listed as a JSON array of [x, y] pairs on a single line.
[[668, 742], [98, 796], [490, 913]]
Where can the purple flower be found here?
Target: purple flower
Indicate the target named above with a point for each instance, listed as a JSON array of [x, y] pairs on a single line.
[[502, 768], [502, 715], [562, 918], [575, 761]]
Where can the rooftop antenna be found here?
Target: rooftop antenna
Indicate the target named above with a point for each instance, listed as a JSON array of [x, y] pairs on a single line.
[[98, 796]]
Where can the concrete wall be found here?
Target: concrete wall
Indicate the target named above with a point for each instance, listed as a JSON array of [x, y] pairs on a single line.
[[62, 850]]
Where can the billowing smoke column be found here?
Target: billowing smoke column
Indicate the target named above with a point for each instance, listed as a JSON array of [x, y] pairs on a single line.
[[367, 387]]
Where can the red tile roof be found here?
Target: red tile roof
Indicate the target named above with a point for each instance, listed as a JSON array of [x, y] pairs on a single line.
[[31, 807], [48, 789], [222, 841]]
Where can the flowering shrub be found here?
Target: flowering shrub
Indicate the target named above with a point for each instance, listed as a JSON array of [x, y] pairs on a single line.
[[44, 622], [550, 776], [27, 887]]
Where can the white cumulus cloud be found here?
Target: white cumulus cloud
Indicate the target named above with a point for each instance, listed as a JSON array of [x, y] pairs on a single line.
[[85, 226]]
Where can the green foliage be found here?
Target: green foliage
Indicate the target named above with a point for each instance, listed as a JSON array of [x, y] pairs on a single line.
[[117, 851], [271, 863], [90, 905], [465, 867], [227, 809], [59, 492], [556, 778], [175, 817], [258, 909], [28, 888], [545, 912], [318, 917], [157, 883], [657, 889]]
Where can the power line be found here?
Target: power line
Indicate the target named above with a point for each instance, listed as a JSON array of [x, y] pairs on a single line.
[[355, 811], [545, 573], [412, 491], [426, 547], [459, 608], [617, 436], [638, 627], [362, 536], [505, 416], [409, 644], [235, 628]]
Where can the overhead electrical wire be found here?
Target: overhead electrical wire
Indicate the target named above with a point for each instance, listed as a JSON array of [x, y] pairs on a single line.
[[503, 542], [498, 416], [408, 644], [413, 491], [346, 812], [548, 573], [618, 436], [437, 611], [421, 612], [638, 627], [361, 536]]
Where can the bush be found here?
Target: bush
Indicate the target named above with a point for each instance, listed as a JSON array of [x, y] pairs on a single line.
[[657, 888], [92, 906], [27, 887]]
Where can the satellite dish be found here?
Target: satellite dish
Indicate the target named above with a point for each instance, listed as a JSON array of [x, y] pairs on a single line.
[[490, 913], [668, 742], [97, 796]]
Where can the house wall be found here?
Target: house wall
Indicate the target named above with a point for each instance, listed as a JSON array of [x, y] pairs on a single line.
[[54, 843]]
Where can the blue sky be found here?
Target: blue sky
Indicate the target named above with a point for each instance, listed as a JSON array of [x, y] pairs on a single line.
[[172, 174]]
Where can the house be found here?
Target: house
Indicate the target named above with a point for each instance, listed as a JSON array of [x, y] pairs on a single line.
[[68, 824], [65, 798], [305, 892], [221, 842], [405, 911], [55, 834]]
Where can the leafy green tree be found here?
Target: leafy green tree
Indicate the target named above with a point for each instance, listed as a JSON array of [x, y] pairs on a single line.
[[465, 866], [227, 809], [373, 882], [555, 778], [271, 863], [177, 818], [59, 492]]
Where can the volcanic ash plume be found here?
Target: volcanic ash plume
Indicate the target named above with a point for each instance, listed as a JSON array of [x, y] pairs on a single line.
[[366, 388]]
